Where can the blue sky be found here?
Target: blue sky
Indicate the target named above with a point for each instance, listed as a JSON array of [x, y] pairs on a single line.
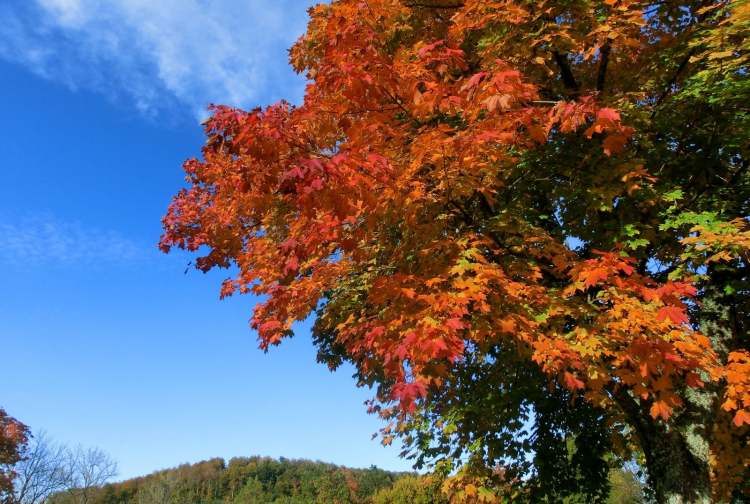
[[107, 342]]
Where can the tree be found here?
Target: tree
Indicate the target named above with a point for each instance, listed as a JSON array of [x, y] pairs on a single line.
[[474, 189], [87, 471], [13, 438], [90, 468], [411, 490], [158, 490], [44, 470], [626, 488]]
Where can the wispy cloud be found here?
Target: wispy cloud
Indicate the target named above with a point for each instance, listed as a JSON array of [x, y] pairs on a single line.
[[46, 240], [159, 53]]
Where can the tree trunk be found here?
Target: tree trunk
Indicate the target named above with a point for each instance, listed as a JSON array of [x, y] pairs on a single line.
[[677, 466], [677, 456]]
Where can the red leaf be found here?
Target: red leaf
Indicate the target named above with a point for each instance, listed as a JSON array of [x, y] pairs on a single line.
[[572, 382], [608, 114], [291, 266], [474, 81], [673, 313], [455, 324]]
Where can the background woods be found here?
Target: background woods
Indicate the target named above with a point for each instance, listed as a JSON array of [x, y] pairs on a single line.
[[50, 473]]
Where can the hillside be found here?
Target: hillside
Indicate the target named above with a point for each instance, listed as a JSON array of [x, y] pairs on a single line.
[[259, 480], [263, 480]]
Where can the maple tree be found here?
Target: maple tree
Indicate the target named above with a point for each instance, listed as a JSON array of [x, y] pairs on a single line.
[[13, 439], [506, 213]]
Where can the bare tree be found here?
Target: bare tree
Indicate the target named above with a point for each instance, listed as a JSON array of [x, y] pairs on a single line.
[[44, 470], [90, 469], [50, 472]]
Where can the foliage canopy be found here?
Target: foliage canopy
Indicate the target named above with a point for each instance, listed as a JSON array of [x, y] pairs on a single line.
[[516, 219]]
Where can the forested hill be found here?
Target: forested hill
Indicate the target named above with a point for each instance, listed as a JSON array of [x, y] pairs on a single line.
[[261, 480]]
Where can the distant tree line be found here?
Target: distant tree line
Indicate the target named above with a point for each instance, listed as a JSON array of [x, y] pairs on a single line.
[[52, 473], [246, 481], [263, 480]]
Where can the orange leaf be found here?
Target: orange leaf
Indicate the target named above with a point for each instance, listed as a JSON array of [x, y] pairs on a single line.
[[661, 409], [614, 144], [729, 405], [742, 417]]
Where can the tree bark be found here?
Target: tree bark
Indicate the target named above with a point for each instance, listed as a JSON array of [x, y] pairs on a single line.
[[677, 457], [678, 471]]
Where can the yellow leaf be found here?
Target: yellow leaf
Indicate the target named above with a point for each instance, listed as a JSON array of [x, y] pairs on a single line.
[[720, 55]]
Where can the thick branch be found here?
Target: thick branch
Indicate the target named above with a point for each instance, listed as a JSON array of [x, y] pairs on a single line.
[[603, 62], [565, 71]]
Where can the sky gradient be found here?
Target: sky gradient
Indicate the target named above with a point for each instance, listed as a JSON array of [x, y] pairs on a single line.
[[106, 341]]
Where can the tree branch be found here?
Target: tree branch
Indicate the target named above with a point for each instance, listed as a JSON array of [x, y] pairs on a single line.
[[565, 71], [604, 61], [673, 80], [668, 88], [436, 5]]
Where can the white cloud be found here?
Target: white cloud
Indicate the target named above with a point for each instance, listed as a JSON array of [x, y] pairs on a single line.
[[159, 53], [46, 240], [68, 12]]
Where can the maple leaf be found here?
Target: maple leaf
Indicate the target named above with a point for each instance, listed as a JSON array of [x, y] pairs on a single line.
[[694, 381], [474, 81], [729, 405], [572, 382], [614, 144], [593, 277], [674, 313], [741, 417], [660, 409], [455, 324], [291, 265], [270, 326], [609, 115]]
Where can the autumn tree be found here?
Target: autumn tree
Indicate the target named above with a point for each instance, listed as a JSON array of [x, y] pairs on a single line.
[[507, 214], [411, 490], [13, 438]]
